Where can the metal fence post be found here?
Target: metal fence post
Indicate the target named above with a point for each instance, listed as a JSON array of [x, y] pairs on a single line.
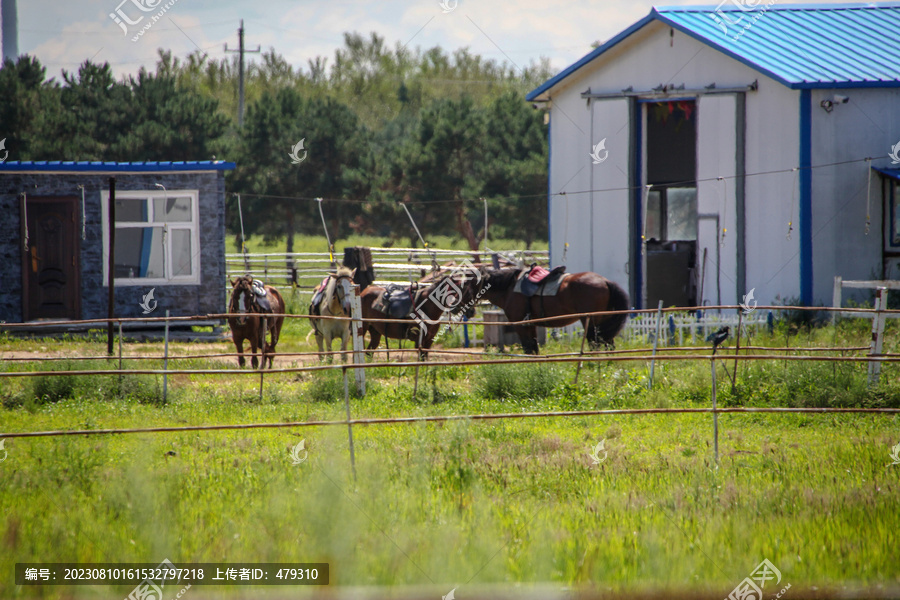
[[262, 353], [655, 344], [715, 412], [836, 299], [349, 426], [356, 332], [120, 360], [877, 333], [166, 361]]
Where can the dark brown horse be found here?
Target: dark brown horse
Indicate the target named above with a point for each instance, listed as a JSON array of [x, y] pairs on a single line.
[[246, 301], [449, 294], [578, 293]]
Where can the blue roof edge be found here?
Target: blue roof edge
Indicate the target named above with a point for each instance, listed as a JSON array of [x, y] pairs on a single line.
[[63, 166], [888, 172], [655, 14], [589, 57]]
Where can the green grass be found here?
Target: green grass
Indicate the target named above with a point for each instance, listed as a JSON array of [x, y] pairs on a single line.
[[463, 504]]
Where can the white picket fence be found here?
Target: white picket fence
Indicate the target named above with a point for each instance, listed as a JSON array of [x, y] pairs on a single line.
[[678, 328]]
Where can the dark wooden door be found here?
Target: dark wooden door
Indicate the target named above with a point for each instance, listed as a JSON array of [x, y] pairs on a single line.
[[51, 268]]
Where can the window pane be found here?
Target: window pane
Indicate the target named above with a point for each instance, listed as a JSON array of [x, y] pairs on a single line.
[[131, 210], [172, 210], [654, 216], [681, 213], [139, 252], [181, 252]]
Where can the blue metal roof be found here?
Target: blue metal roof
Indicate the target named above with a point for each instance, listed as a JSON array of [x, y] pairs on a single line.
[[803, 46], [892, 173], [62, 166]]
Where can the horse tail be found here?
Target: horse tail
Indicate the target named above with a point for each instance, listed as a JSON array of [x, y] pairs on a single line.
[[611, 326]]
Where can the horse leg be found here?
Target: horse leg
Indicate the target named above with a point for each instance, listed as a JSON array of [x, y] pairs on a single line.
[[253, 343], [374, 341], [270, 348], [528, 337], [592, 333], [345, 336], [239, 344], [320, 342]]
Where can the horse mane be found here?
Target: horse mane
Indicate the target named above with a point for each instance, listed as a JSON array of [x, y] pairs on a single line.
[[502, 279], [331, 286], [329, 291]]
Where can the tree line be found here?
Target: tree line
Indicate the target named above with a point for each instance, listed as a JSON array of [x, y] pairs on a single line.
[[380, 126]]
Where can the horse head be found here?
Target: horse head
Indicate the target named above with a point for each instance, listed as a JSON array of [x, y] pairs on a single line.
[[243, 297], [339, 291]]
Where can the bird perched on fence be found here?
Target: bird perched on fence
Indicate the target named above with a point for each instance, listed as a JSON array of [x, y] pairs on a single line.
[[718, 337]]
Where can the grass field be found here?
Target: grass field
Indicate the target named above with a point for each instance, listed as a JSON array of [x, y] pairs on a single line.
[[461, 504]]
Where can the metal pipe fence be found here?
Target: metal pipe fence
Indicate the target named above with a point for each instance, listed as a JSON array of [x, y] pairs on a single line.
[[849, 354]]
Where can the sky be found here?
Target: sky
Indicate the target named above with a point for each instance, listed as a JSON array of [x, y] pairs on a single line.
[[64, 33]]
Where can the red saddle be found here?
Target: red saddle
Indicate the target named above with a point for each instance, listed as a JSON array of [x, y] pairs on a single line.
[[537, 274]]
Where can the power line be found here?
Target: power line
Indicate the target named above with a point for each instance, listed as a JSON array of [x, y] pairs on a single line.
[[565, 193]]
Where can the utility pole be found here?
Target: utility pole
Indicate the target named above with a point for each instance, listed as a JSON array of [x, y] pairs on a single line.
[[241, 51]]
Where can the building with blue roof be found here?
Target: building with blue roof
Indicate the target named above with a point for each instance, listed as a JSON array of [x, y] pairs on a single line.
[[169, 220], [707, 151]]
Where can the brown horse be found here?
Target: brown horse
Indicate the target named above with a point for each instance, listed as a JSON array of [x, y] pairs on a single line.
[[420, 327], [244, 300], [578, 293]]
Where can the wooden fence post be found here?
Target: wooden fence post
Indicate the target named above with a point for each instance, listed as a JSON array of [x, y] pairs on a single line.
[[356, 332]]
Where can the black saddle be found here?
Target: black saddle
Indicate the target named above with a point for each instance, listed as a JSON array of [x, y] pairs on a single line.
[[539, 281], [396, 301]]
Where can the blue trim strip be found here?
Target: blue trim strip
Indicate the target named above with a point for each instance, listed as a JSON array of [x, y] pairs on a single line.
[[60, 166], [892, 173], [806, 250], [637, 198], [533, 94], [550, 193]]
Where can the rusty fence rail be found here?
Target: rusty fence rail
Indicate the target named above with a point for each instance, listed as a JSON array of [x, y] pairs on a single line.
[[874, 359]]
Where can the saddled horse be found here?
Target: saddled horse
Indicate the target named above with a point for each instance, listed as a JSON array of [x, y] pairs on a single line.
[[422, 324], [584, 292], [335, 293], [247, 300]]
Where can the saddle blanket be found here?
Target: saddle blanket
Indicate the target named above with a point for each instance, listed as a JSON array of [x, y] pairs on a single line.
[[317, 296], [538, 281], [396, 301]]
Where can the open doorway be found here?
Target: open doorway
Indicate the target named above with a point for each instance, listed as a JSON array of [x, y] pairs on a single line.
[[670, 226]]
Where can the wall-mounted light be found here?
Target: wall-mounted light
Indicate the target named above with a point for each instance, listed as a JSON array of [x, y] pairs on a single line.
[[828, 103]]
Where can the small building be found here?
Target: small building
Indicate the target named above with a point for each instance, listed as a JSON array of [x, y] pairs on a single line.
[[169, 239], [708, 151]]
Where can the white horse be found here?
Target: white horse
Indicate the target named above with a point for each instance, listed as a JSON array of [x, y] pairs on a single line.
[[335, 302]]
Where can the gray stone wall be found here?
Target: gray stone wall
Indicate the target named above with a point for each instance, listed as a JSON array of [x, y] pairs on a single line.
[[181, 300]]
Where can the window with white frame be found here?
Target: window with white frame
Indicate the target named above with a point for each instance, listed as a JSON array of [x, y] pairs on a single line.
[[157, 237]]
